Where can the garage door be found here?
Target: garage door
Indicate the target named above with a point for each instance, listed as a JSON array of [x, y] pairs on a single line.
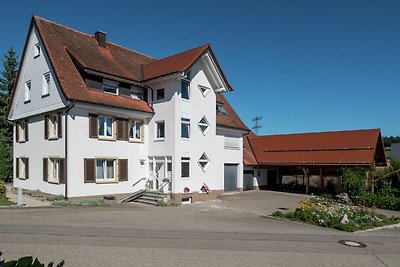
[[230, 177], [248, 180]]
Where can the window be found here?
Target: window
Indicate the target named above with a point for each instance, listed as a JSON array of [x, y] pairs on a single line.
[[160, 94], [28, 85], [106, 128], [204, 90], [204, 162], [22, 168], [53, 127], [135, 130], [221, 109], [204, 125], [54, 171], [36, 52], [160, 130], [22, 131], [105, 170], [137, 93], [46, 84], [185, 84], [110, 87], [185, 167], [185, 128]]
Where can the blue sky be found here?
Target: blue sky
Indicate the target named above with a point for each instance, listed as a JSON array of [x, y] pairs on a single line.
[[301, 65]]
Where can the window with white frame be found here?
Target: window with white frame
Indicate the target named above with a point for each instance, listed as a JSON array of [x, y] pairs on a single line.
[[137, 93], [185, 87], [204, 90], [160, 130], [53, 126], [106, 127], [53, 171], [185, 127], [204, 162], [185, 167], [135, 130], [21, 128], [36, 51], [204, 126], [46, 84], [22, 168], [28, 85], [110, 87], [105, 170]]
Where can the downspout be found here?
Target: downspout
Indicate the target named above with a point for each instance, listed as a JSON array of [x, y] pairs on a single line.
[[66, 150]]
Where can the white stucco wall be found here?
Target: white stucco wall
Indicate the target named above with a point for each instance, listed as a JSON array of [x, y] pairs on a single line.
[[80, 146], [32, 69], [37, 148]]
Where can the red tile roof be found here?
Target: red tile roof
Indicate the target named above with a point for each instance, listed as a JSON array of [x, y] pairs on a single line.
[[61, 42], [231, 120], [248, 156], [344, 148]]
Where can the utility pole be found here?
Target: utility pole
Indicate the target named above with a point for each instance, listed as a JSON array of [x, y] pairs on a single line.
[[256, 124]]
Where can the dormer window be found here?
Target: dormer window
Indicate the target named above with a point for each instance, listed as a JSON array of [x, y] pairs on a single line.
[[110, 87], [221, 109], [36, 51], [137, 93]]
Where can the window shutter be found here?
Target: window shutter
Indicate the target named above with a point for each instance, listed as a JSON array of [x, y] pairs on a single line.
[[26, 130], [45, 169], [26, 168], [62, 169], [46, 127], [93, 125], [17, 133], [59, 125], [90, 170], [122, 129], [123, 170], [17, 168]]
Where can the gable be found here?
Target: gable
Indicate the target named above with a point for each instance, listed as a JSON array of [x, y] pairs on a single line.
[[33, 69]]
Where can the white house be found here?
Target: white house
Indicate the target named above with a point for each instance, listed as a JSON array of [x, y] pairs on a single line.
[[94, 118]]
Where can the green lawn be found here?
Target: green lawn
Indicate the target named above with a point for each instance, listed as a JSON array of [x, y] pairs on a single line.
[[6, 202]]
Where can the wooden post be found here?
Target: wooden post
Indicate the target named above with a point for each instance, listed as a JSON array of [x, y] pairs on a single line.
[[367, 180], [321, 179], [307, 174], [373, 177]]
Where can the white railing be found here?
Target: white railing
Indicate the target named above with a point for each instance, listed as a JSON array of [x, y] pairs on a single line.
[[232, 143]]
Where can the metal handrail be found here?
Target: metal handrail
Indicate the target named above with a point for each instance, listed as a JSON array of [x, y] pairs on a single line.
[[138, 181]]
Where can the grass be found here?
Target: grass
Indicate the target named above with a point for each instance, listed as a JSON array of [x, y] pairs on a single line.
[[162, 203], [43, 196], [6, 202], [82, 203], [327, 213]]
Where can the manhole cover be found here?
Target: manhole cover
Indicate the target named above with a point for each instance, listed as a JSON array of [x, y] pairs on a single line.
[[353, 244]]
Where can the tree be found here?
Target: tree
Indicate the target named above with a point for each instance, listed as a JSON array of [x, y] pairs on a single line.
[[7, 81]]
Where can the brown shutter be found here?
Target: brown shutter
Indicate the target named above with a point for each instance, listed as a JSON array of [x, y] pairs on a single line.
[[45, 169], [90, 170], [26, 130], [93, 125], [26, 168], [62, 169], [17, 132], [122, 129], [17, 168], [46, 127], [123, 170], [59, 125]]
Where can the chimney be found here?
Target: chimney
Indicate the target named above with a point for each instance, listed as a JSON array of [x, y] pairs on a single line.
[[101, 38]]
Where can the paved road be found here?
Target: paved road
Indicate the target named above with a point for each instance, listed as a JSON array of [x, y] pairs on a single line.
[[213, 234]]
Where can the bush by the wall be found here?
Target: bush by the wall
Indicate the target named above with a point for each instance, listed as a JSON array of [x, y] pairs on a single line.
[[2, 190]]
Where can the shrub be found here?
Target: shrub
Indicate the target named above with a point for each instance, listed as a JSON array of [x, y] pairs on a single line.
[[6, 161], [354, 181], [2, 190], [27, 261], [83, 203]]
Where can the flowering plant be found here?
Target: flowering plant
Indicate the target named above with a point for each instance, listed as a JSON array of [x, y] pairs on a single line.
[[186, 189]]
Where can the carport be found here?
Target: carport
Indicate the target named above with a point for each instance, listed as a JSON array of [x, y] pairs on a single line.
[[307, 154]]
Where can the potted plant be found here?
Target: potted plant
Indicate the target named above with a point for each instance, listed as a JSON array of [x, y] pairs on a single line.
[[186, 190]]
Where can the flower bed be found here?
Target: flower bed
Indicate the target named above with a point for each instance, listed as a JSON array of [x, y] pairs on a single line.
[[344, 217]]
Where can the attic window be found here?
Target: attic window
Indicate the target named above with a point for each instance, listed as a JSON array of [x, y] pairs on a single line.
[[185, 83], [36, 52], [110, 87], [204, 90], [221, 109], [137, 93]]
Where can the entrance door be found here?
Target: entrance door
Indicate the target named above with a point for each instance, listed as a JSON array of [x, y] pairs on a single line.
[[248, 180], [230, 177], [272, 175]]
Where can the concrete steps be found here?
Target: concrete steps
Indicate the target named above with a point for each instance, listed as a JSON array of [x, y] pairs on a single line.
[[152, 197]]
